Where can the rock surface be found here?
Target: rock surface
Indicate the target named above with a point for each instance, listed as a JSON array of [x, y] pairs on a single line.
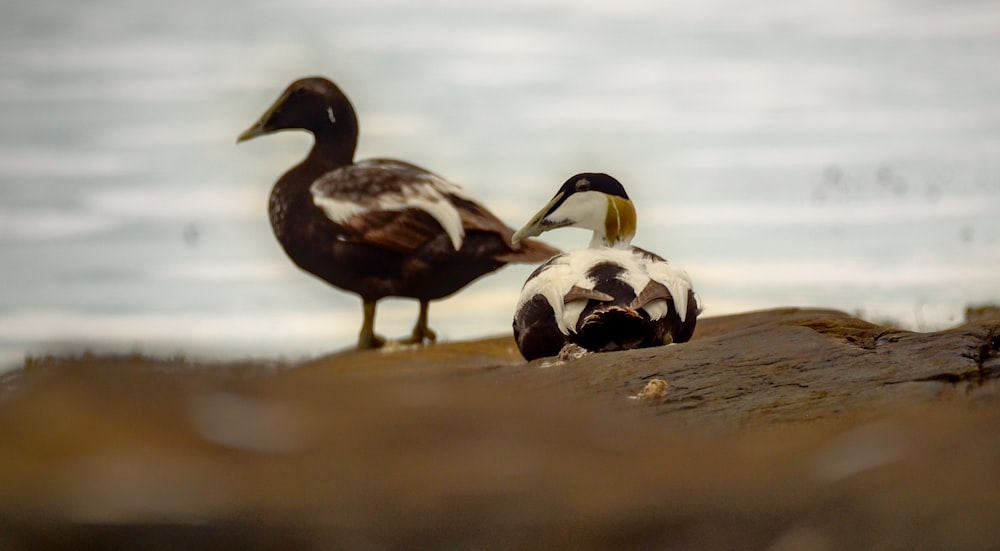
[[781, 430]]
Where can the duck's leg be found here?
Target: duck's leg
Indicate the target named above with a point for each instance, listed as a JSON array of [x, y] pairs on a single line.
[[421, 332], [368, 339]]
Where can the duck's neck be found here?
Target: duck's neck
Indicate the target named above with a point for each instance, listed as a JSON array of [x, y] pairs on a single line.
[[326, 155], [619, 225], [333, 151], [601, 241]]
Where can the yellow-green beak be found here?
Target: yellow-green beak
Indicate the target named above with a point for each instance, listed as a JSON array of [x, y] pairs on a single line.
[[535, 226]]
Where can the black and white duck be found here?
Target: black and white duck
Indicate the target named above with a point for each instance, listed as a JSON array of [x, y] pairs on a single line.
[[609, 296], [378, 227]]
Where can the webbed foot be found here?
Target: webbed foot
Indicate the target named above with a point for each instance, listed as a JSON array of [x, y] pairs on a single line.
[[421, 333]]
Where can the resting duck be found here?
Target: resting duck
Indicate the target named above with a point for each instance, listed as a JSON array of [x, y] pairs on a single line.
[[610, 296], [379, 227]]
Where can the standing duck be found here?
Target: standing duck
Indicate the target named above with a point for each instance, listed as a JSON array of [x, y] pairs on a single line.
[[379, 227], [610, 296]]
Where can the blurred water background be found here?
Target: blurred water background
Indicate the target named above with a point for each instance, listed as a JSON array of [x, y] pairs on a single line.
[[809, 153]]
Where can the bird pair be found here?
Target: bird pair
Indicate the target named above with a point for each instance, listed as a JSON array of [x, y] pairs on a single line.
[[382, 227]]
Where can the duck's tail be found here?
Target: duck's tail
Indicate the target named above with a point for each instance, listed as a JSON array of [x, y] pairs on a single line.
[[612, 328], [528, 251]]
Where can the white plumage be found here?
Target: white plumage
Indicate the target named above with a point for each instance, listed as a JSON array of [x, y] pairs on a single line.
[[558, 276]]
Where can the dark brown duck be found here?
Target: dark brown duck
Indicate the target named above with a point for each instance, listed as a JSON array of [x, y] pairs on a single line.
[[379, 227]]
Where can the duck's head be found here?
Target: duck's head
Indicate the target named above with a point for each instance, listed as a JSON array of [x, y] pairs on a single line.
[[314, 104], [593, 201]]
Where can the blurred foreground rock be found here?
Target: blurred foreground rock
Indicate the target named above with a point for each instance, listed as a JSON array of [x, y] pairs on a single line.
[[780, 430]]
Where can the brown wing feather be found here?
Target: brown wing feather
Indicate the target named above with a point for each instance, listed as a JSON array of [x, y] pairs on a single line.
[[359, 186], [654, 290], [579, 293], [400, 230]]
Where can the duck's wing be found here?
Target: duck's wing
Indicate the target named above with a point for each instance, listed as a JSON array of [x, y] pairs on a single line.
[[568, 282], [390, 204], [654, 290], [400, 206], [553, 280], [666, 279]]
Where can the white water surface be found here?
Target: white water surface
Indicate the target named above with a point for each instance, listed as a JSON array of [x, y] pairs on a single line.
[[807, 153]]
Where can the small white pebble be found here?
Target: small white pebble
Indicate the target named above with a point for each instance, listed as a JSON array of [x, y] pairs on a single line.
[[655, 389], [569, 351], [572, 351]]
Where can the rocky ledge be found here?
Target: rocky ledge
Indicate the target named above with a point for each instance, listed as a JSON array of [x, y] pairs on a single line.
[[781, 430]]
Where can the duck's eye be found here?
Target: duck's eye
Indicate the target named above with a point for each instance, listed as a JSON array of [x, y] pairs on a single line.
[[583, 184]]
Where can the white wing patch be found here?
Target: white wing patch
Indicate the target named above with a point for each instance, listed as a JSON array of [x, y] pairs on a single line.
[[657, 309], [552, 283], [339, 210], [570, 269], [427, 195], [429, 199], [676, 280]]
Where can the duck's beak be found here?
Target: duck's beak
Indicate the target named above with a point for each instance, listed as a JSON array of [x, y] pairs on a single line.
[[539, 223], [256, 130], [264, 123]]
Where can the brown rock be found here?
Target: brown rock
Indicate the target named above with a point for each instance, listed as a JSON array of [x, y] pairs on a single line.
[[787, 429]]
